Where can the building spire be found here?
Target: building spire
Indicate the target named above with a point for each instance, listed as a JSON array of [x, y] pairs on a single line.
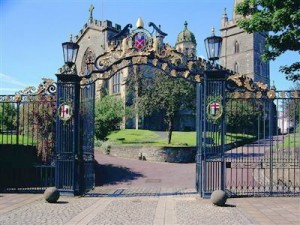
[[91, 11], [224, 18]]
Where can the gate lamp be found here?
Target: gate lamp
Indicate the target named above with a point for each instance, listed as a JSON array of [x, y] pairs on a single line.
[[70, 50], [213, 46]]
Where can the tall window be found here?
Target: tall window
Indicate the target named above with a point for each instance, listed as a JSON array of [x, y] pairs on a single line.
[[261, 71], [116, 83], [236, 47], [236, 67], [88, 60]]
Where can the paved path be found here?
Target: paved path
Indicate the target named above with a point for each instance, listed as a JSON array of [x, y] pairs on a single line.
[[144, 194], [125, 173], [186, 208]]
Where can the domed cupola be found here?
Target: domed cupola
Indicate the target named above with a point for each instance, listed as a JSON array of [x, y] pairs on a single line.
[[186, 42], [186, 35]]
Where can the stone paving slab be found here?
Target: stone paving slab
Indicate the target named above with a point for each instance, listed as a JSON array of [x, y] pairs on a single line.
[[272, 210], [142, 206], [39, 212]]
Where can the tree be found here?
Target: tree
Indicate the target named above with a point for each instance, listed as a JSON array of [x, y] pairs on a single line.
[[109, 112], [168, 95], [282, 20], [242, 116], [7, 116]]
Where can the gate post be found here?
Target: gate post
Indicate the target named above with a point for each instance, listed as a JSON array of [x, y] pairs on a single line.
[[211, 132], [67, 171]]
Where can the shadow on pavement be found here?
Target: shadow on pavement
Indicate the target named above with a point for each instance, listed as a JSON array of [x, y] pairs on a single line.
[[229, 205], [109, 174], [59, 202]]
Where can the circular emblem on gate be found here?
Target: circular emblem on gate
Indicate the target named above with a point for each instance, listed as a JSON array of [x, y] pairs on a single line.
[[214, 109], [140, 41], [65, 111]]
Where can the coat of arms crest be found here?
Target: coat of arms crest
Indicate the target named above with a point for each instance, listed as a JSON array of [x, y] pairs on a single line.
[[214, 109], [140, 41], [65, 111]]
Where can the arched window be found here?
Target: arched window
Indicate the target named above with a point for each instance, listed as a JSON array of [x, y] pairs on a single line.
[[236, 67], [116, 83], [261, 71], [88, 60], [236, 47]]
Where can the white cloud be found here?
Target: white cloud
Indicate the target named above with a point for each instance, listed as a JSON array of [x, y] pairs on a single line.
[[5, 79]]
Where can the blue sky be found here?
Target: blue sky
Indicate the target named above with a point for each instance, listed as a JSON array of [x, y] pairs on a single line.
[[31, 31]]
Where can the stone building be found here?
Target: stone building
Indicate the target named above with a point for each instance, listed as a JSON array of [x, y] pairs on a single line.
[[241, 51]]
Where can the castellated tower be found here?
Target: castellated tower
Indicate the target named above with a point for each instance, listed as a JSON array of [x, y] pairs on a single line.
[[93, 41], [241, 51]]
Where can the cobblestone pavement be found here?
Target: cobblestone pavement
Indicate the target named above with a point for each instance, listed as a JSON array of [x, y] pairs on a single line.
[[40, 212], [139, 206], [145, 206]]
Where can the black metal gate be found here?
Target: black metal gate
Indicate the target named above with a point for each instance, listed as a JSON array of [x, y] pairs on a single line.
[[87, 117], [27, 138], [248, 139], [263, 136], [74, 135]]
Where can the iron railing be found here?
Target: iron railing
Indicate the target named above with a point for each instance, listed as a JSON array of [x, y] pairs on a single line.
[[27, 142]]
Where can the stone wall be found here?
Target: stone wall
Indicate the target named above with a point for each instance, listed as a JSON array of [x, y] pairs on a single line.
[[153, 153]]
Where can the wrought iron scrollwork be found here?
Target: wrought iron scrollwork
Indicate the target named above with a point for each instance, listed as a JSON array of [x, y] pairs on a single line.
[[141, 48], [46, 88], [243, 86], [158, 30], [122, 33]]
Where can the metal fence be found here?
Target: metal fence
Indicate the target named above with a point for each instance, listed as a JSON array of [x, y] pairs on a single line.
[[270, 163], [248, 139], [27, 140]]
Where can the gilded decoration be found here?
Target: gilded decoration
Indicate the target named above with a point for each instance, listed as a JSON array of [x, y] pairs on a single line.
[[140, 47], [296, 94], [245, 87]]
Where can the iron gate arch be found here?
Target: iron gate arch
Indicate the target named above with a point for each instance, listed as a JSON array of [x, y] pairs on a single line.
[[75, 156], [75, 173]]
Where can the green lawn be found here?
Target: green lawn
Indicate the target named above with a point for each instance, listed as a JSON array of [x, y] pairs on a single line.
[[290, 141], [146, 137], [12, 139]]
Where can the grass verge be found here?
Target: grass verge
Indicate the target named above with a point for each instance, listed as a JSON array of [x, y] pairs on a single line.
[[179, 138]]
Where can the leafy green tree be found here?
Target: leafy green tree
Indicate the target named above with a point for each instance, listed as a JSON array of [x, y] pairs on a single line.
[[109, 112], [282, 20], [167, 95], [242, 116], [7, 116]]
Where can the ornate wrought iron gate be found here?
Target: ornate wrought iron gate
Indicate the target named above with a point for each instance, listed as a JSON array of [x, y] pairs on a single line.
[[248, 139], [266, 157], [87, 104], [240, 149], [74, 135]]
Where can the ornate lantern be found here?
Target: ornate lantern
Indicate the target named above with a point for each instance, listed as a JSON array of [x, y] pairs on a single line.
[[70, 50], [213, 46]]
